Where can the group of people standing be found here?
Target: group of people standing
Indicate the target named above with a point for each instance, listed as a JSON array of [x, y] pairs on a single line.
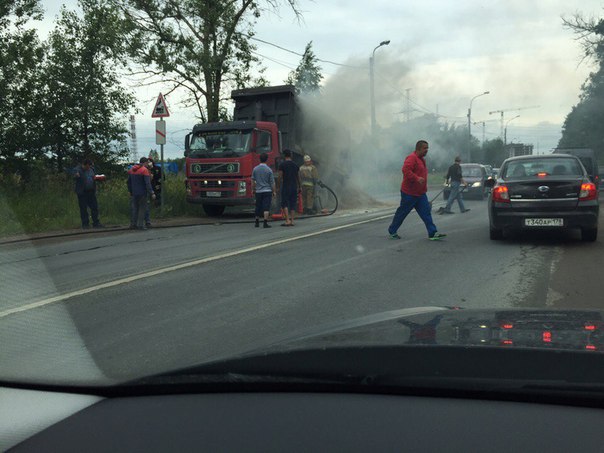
[[294, 181], [144, 182]]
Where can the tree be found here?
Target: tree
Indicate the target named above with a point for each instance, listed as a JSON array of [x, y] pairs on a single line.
[[307, 76], [200, 46], [494, 152], [582, 126], [21, 55], [85, 102]]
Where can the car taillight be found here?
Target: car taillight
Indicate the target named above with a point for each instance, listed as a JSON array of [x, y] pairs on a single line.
[[501, 194], [588, 192]]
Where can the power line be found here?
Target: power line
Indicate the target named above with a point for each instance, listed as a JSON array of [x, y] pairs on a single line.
[[301, 54], [287, 65], [424, 109]]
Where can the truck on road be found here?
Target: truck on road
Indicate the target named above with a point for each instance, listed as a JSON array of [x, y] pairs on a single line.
[[220, 156]]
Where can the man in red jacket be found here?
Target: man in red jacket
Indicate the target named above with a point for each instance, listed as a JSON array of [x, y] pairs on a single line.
[[413, 193]]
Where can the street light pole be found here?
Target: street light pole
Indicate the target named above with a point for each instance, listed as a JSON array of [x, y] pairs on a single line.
[[371, 85], [470, 123], [505, 131]]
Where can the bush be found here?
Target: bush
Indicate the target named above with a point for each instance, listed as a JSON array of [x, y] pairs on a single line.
[[50, 203]]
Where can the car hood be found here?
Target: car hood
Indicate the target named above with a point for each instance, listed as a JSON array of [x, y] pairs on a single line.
[[429, 347], [575, 330]]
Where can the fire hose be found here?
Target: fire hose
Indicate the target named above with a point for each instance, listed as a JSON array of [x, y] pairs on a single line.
[[322, 185]]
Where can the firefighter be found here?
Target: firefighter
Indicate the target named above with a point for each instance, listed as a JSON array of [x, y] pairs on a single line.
[[308, 179]]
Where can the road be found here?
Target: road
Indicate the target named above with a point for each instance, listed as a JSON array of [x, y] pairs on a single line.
[[105, 304]]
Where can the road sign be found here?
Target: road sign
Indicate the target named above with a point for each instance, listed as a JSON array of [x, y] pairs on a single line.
[[160, 132], [161, 109]]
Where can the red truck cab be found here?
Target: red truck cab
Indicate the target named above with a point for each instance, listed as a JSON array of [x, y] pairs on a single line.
[[220, 160], [220, 156]]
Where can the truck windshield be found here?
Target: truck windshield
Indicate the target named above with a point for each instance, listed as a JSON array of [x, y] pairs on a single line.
[[208, 144]]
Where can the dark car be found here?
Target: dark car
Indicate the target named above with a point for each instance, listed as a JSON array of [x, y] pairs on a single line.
[[547, 192], [475, 175], [587, 158]]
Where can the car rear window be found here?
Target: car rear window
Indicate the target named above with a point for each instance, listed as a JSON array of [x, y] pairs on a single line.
[[542, 167], [474, 170]]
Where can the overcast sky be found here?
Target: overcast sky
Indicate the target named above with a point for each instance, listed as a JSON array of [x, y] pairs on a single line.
[[445, 52]]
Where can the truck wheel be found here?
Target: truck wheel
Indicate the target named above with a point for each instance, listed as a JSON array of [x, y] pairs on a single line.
[[213, 210], [589, 234], [495, 234]]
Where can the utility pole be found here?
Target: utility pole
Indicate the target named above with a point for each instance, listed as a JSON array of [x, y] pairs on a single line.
[[133, 141]]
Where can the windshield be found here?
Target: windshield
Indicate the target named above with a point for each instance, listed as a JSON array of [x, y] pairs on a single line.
[[183, 185], [542, 167], [220, 144], [472, 171]]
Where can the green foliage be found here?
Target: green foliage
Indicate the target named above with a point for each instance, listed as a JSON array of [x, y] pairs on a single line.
[[84, 97], [49, 203], [307, 76], [200, 46], [583, 125], [63, 97], [21, 57]]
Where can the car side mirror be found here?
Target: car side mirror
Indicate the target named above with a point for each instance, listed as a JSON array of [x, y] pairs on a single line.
[[489, 183]]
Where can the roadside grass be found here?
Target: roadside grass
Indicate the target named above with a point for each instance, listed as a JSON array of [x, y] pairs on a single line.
[[51, 204]]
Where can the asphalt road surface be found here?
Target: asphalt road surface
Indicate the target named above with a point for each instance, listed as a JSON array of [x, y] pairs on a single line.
[[105, 304]]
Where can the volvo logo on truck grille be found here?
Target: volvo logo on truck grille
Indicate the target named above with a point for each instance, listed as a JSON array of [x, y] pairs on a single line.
[[221, 167]]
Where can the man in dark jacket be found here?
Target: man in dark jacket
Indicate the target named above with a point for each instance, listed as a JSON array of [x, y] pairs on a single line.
[[139, 187], [156, 182], [455, 178], [85, 189], [289, 179]]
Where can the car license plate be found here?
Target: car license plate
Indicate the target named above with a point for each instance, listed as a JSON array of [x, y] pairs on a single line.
[[543, 222], [213, 194]]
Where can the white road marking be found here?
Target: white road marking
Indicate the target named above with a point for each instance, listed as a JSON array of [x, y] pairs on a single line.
[[134, 278]]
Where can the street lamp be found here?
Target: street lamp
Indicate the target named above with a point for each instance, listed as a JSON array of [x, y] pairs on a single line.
[[505, 131], [470, 121], [371, 90]]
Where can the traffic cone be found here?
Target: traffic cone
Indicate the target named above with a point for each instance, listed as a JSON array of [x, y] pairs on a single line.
[[300, 203]]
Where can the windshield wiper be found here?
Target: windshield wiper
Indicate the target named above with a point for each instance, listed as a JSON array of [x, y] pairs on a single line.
[[195, 154], [228, 152]]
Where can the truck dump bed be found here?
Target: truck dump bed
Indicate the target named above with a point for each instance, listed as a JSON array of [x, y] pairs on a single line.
[[274, 104]]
